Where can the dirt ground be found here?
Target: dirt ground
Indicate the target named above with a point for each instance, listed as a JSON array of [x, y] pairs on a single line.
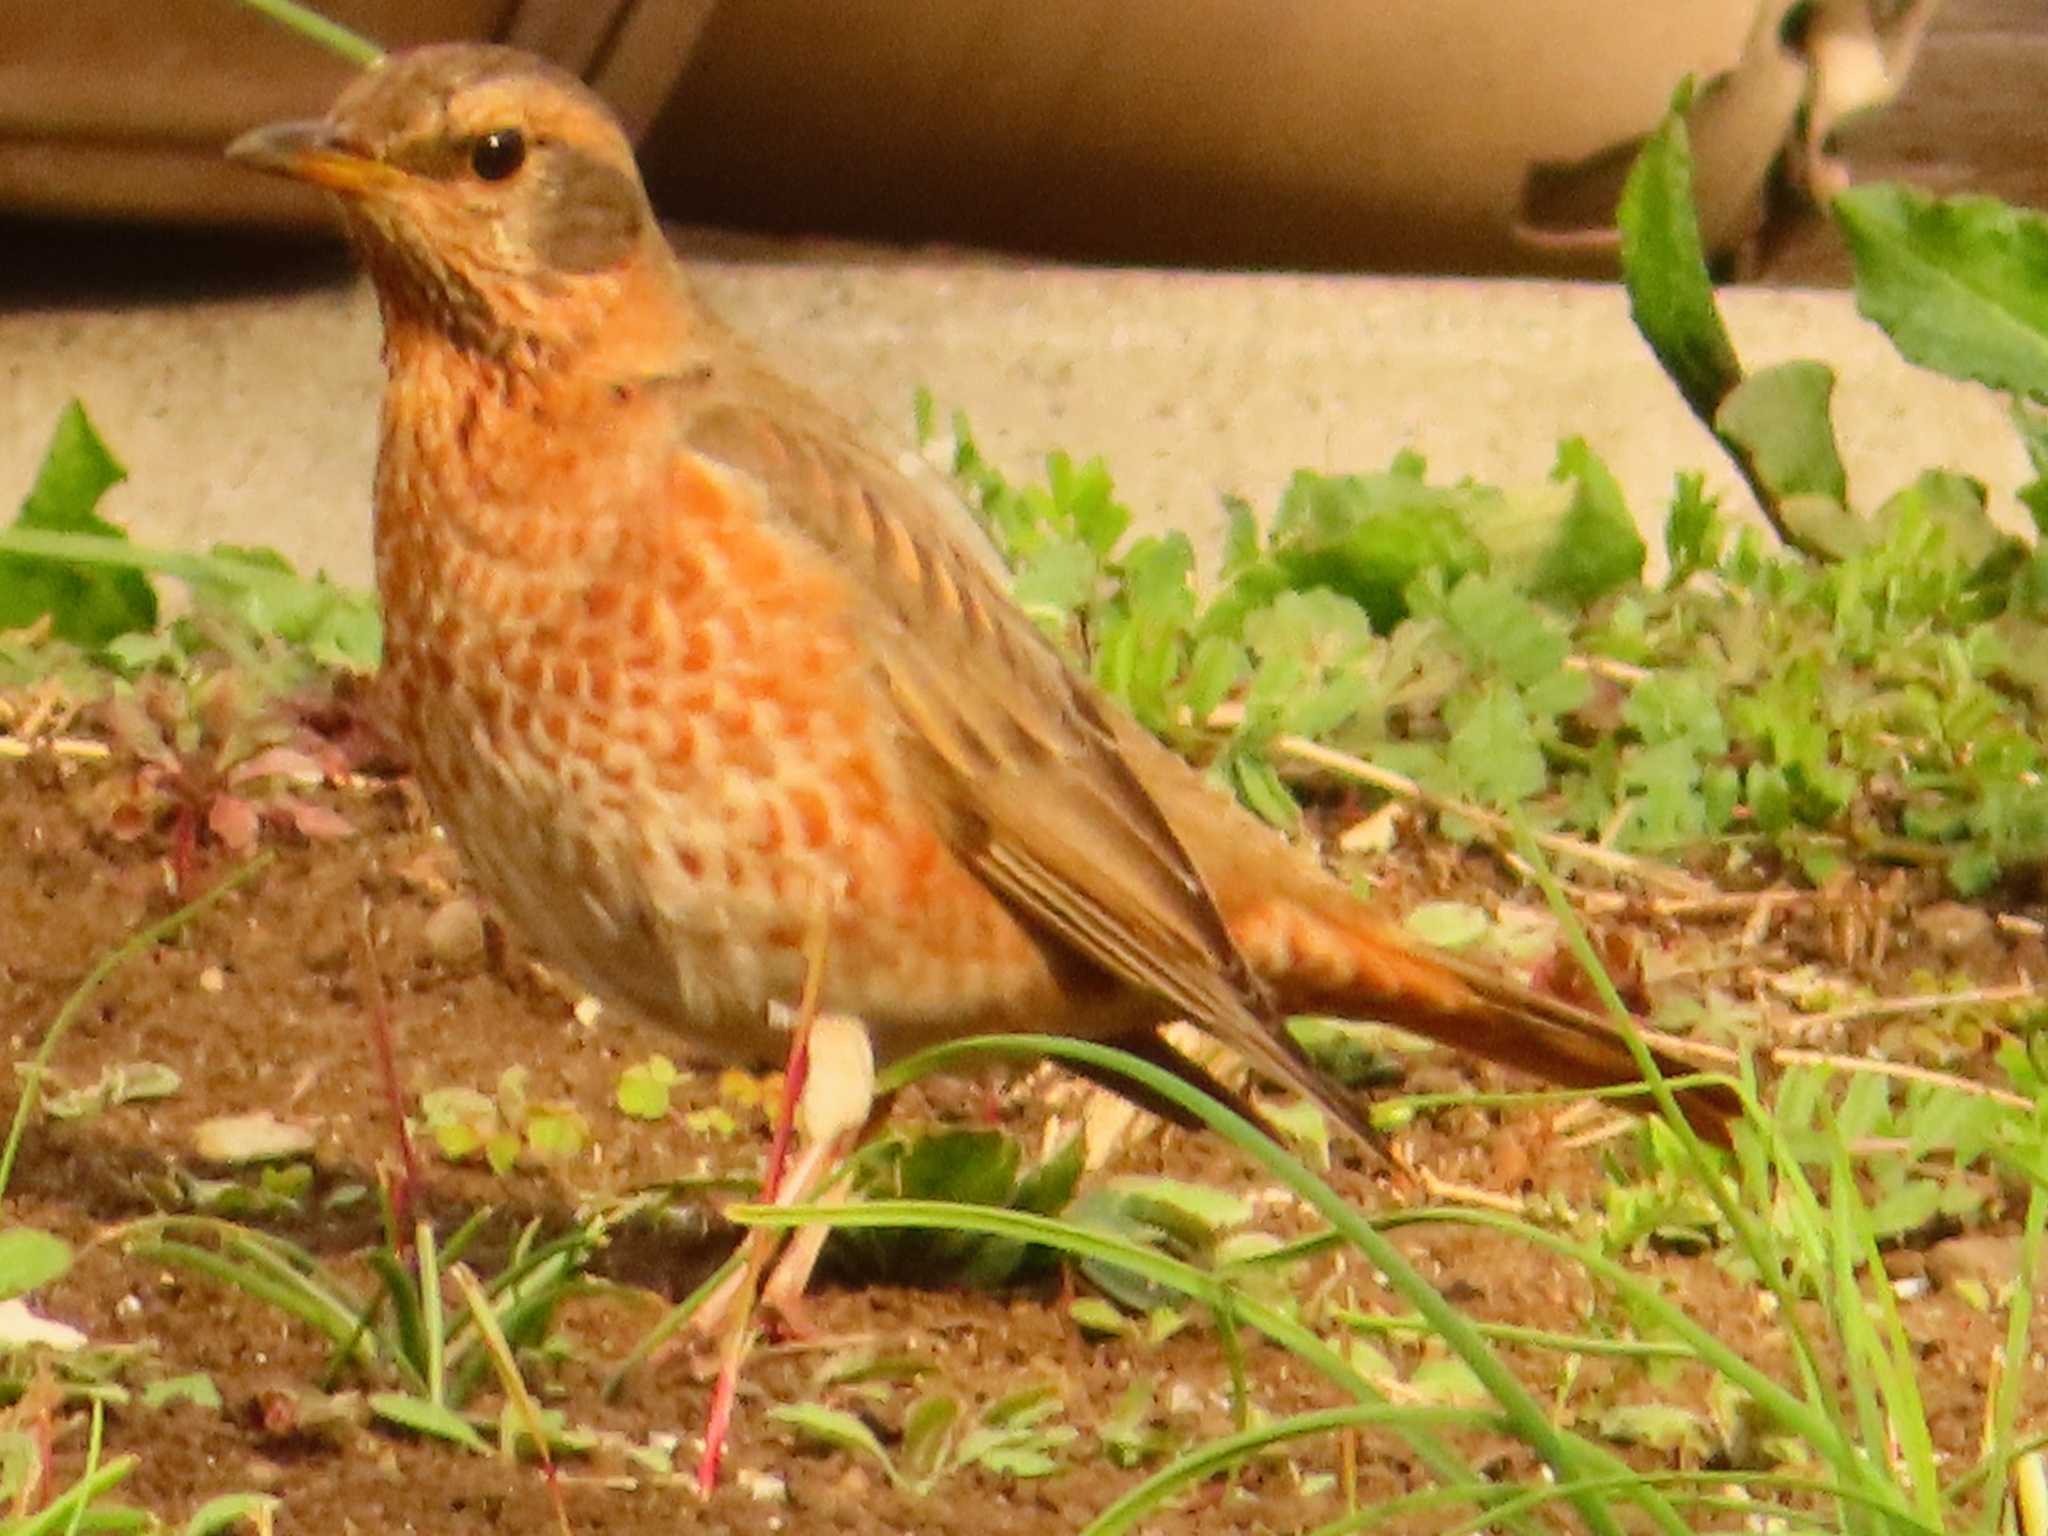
[[260, 1005]]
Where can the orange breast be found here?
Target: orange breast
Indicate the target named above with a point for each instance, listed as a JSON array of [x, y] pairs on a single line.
[[645, 714]]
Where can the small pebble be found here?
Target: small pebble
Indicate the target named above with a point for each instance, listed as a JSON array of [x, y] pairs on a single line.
[[253, 1138], [454, 933]]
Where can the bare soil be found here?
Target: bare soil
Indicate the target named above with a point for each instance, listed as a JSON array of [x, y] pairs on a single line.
[[261, 1004]]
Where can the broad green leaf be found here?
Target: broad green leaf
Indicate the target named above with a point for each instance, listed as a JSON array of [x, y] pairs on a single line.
[[1597, 547], [1664, 266], [969, 1167], [1085, 499], [1777, 423], [1369, 536], [1448, 1381], [1022, 1408], [1259, 785], [1907, 1208], [1047, 1189], [87, 605], [30, 1257], [1959, 284], [1780, 419]]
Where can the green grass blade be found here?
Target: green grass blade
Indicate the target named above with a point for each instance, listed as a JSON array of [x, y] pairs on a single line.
[[137, 943], [675, 1318], [314, 27], [1220, 1455], [1796, 1414], [288, 1298], [1198, 1285], [433, 1325]]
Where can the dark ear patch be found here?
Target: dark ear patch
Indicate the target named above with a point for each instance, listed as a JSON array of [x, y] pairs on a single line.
[[590, 215]]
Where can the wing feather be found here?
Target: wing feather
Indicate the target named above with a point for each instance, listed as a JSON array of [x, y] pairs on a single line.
[[1009, 747]]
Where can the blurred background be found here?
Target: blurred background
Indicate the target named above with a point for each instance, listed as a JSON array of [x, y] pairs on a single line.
[[1461, 136]]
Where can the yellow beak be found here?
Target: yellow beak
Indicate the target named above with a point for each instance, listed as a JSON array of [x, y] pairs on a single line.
[[310, 152]]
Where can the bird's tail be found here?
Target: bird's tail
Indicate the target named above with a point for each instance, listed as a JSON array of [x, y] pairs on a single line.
[[1328, 956]]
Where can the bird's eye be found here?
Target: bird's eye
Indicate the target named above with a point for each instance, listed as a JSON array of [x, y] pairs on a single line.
[[497, 154]]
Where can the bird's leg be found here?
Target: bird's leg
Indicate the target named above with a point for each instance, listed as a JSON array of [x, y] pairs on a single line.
[[795, 1073], [827, 1108], [776, 1187], [835, 1116]]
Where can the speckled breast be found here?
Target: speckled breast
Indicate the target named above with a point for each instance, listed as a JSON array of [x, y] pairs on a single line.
[[643, 712]]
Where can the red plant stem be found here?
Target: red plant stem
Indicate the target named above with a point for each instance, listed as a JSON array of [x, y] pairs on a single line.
[[387, 1068]]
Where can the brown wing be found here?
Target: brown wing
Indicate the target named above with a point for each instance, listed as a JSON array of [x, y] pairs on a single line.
[[1007, 743], [1015, 753]]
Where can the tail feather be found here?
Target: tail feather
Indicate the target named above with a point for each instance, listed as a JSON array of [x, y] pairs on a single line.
[[1347, 965]]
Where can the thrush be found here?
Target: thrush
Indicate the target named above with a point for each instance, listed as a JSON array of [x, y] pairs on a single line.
[[681, 661]]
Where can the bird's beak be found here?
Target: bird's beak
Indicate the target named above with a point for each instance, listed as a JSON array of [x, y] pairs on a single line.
[[312, 152]]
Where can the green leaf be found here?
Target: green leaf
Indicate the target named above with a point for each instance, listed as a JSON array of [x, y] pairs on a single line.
[[1960, 284], [1055, 581], [30, 1257], [1194, 1214], [1448, 1381], [1677, 706], [556, 1134], [1086, 502], [1777, 424], [1047, 1189], [1664, 266], [1692, 530], [643, 1090], [1303, 1124], [1369, 536], [1501, 632], [1780, 419], [2033, 429], [1906, 1208], [833, 1428], [968, 1167], [1953, 503], [1099, 1318], [427, 1418], [1768, 796], [1597, 548], [88, 605], [1448, 924], [195, 1387], [1258, 784], [1494, 752], [927, 1431], [1659, 1426], [1130, 1435]]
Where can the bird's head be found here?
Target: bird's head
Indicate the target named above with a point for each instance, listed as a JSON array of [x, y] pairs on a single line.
[[493, 197]]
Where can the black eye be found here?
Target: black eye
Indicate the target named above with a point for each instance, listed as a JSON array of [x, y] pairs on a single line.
[[497, 154]]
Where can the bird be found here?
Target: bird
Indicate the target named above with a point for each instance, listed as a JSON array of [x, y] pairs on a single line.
[[686, 667]]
